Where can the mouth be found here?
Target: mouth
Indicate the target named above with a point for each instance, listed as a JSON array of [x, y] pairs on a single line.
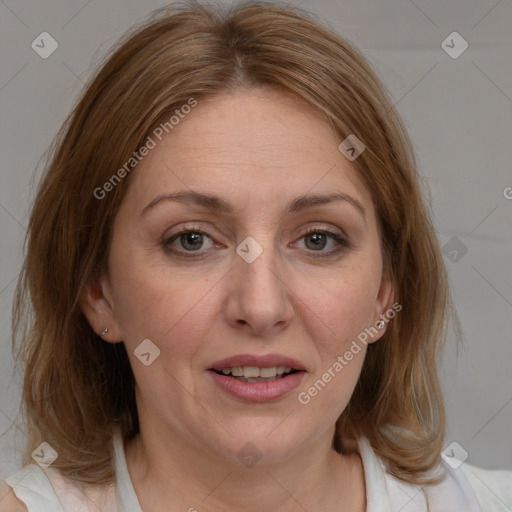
[[257, 378], [255, 374]]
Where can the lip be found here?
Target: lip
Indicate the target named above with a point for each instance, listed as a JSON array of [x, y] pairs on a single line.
[[263, 361], [257, 391]]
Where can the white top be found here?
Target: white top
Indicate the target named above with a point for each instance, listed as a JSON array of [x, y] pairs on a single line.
[[465, 489]]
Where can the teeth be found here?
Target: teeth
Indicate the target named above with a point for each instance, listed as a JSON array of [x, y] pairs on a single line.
[[268, 372], [252, 372], [237, 371]]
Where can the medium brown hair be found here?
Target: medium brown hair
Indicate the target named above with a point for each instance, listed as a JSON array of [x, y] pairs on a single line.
[[77, 388]]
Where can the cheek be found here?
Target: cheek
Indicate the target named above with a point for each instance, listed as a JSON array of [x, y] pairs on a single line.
[[341, 309], [339, 312], [173, 311]]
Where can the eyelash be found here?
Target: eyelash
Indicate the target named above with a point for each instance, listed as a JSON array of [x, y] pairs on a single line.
[[342, 243]]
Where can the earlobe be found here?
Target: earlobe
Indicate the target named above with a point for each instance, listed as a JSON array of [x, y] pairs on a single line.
[[97, 306]]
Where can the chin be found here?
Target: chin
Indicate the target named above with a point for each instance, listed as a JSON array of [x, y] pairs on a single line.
[[270, 443]]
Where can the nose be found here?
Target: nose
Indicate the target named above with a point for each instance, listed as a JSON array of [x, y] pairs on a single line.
[[259, 300]]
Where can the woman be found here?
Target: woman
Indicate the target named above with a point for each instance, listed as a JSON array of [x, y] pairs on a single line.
[[238, 293]]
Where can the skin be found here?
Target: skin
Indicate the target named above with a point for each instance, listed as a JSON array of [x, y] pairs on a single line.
[[9, 500], [258, 150]]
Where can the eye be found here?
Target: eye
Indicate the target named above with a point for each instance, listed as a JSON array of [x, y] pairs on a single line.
[[322, 241], [188, 241], [193, 242]]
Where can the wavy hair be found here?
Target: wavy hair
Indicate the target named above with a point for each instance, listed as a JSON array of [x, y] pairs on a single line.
[[77, 388]]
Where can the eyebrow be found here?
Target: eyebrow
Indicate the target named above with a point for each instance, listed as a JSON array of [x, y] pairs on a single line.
[[219, 205]]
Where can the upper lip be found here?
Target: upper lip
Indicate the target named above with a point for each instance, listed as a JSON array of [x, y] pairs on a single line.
[[263, 361]]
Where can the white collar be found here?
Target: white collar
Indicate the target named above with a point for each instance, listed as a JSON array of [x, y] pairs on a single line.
[[127, 500]]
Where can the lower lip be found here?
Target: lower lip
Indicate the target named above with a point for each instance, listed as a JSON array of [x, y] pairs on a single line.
[[258, 391]]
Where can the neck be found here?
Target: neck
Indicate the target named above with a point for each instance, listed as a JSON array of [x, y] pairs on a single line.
[[166, 470]]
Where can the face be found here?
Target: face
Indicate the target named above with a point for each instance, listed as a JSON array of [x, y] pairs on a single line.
[[245, 247]]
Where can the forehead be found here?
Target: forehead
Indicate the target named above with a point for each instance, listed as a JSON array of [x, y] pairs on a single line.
[[248, 143]]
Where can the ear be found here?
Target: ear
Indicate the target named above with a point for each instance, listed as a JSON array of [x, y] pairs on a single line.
[[97, 305], [385, 309]]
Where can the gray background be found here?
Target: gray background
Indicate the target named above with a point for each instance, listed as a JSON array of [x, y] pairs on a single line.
[[458, 112]]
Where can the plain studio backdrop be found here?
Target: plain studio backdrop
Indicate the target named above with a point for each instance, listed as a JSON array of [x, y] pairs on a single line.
[[448, 69]]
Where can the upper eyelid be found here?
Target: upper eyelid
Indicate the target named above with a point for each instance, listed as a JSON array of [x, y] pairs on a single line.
[[308, 230]]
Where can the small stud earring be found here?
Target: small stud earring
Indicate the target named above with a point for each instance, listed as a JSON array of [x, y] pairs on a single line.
[[380, 324], [104, 331]]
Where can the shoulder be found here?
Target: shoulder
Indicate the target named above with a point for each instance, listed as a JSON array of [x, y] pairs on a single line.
[[493, 488], [30, 490], [10, 502], [466, 488], [35, 489]]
